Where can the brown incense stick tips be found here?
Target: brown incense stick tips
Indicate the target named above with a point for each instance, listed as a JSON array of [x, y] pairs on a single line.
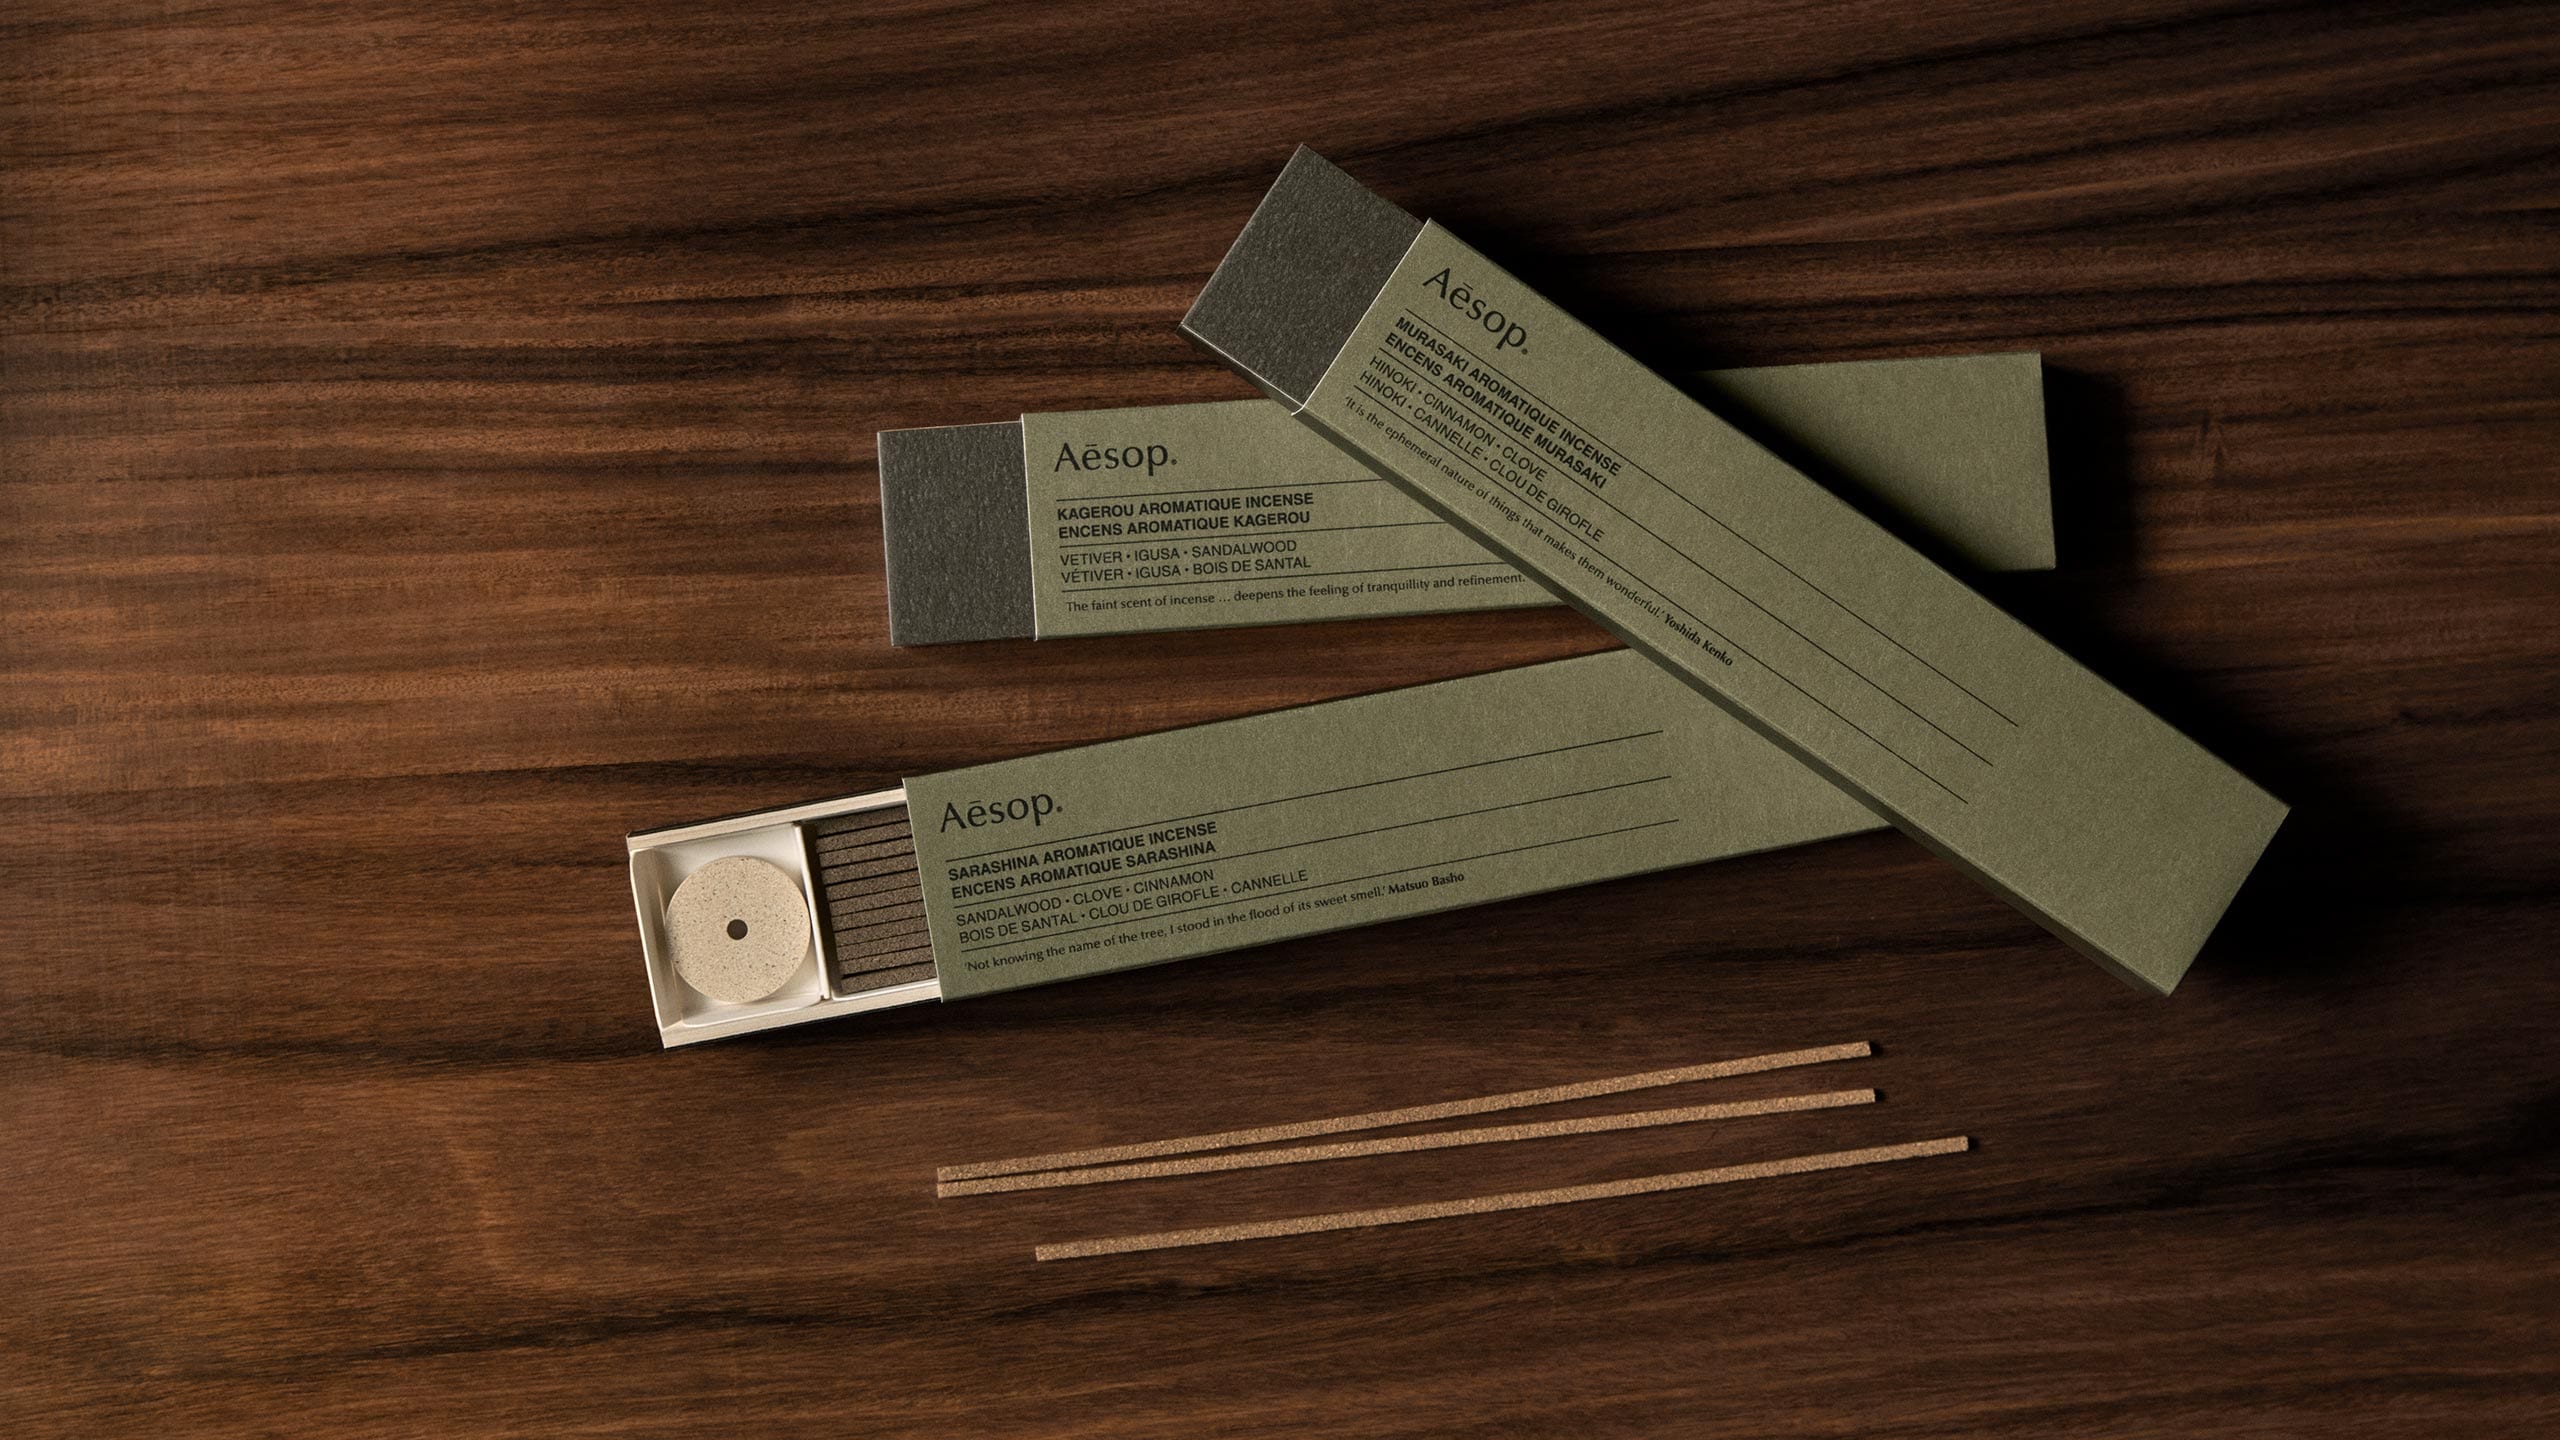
[[888, 846], [1410, 1115], [860, 822], [1489, 1204], [870, 899], [868, 909], [846, 877], [883, 979], [1403, 1144]]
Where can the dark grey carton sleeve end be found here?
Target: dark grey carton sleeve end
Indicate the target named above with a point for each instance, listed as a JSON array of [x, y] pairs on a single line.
[[956, 526], [1295, 283]]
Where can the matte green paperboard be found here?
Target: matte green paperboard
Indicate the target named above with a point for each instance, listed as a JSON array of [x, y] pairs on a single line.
[[1180, 517], [1738, 574], [1351, 812]]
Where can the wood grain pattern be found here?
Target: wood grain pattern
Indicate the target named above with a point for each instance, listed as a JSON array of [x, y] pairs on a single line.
[[1466, 1206], [437, 441]]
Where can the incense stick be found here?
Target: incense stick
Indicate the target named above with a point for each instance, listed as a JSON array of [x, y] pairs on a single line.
[[1401, 1144], [1376, 1119], [1488, 1204]]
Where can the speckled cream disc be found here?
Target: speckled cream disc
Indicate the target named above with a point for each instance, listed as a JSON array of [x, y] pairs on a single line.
[[738, 928]]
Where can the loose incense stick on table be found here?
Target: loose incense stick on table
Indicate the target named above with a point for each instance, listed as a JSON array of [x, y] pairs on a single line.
[[1402, 1144], [1488, 1204], [1377, 1119]]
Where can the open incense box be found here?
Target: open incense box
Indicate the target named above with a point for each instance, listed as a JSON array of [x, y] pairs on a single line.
[[1212, 838], [1734, 572], [1241, 832], [1185, 517]]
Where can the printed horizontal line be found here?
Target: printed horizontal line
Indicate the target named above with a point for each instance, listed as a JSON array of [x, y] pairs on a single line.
[[1722, 635], [1319, 885], [1293, 575], [1194, 862], [1314, 794], [1720, 523], [1216, 490], [1081, 546]]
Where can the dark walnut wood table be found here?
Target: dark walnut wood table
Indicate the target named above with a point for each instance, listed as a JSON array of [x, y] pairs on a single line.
[[440, 442]]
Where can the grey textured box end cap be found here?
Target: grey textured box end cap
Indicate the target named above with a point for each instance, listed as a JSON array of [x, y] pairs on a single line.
[[1316, 252], [957, 530]]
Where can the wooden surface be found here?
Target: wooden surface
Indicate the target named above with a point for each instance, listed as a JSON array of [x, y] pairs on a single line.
[[439, 443]]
